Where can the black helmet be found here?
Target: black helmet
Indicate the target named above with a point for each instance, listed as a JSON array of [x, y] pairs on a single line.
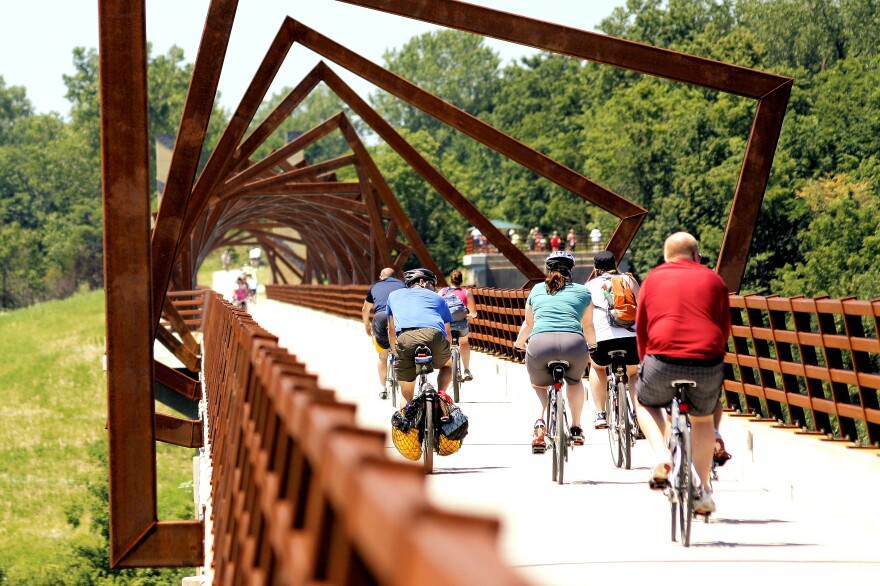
[[559, 261], [415, 275]]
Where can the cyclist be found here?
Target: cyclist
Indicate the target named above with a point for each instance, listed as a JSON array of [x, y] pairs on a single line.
[[418, 316], [461, 326], [558, 326], [377, 299], [682, 326], [609, 337]]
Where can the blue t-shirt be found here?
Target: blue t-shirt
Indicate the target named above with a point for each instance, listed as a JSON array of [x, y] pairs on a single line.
[[561, 312], [418, 308], [379, 292]]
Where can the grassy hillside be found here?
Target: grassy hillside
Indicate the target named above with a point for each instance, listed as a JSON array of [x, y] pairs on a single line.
[[52, 418]]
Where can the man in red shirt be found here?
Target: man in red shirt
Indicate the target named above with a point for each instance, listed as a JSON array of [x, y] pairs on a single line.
[[682, 327]]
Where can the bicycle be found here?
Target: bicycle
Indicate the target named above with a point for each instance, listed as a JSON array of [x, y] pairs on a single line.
[[456, 366], [392, 387], [557, 420], [619, 411], [431, 403], [681, 488]]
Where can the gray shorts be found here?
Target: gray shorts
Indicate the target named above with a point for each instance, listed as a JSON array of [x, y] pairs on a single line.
[[547, 346], [407, 341], [655, 384]]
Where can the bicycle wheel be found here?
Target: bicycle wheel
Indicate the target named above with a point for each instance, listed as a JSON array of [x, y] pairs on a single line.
[[560, 439], [672, 489], [456, 374], [551, 433], [686, 487], [625, 434], [612, 413], [430, 437]]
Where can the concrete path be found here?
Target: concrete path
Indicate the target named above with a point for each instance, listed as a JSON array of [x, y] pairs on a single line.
[[603, 523]]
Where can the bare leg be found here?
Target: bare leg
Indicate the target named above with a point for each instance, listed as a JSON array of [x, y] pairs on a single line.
[[716, 417], [444, 377], [703, 440], [632, 373], [383, 367], [576, 398], [543, 400], [464, 347], [652, 421], [598, 385], [406, 389]]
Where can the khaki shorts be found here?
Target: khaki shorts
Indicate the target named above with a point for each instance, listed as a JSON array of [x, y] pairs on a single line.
[[407, 341]]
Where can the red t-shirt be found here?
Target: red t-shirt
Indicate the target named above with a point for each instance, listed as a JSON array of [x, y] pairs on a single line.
[[683, 312]]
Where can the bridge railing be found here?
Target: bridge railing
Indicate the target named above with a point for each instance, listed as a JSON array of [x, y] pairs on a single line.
[[301, 494], [813, 364]]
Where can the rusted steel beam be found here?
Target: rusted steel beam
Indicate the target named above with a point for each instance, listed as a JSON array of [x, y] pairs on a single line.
[[127, 279], [176, 347], [594, 47], [168, 543], [299, 189], [177, 324], [177, 381], [749, 194], [188, 145], [430, 174], [179, 432], [300, 174]]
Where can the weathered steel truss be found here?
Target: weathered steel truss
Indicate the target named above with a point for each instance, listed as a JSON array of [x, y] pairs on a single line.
[[348, 230]]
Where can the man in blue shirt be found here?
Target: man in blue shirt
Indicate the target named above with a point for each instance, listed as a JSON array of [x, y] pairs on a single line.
[[377, 300], [418, 316]]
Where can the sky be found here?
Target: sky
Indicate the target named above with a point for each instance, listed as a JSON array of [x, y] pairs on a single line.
[[37, 38]]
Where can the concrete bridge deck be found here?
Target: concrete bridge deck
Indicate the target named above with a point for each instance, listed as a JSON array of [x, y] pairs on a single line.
[[605, 523]]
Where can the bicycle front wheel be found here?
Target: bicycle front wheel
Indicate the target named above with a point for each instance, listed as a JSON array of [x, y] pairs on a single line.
[[625, 435], [430, 436], [456, 375], [560, 439], [612, 414], [686, 488]]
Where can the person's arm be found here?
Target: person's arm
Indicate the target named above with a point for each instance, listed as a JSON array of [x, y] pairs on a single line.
[[471, 304], [365, 317], [634, 285], [589, 329], [392, 336], [526, 330]]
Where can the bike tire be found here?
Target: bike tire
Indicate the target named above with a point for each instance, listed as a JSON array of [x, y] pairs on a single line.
[[551, 434], [430, 438], [560, 440], [611, 412], [625, 435], [672, 491], [686, 487], [456, 375]]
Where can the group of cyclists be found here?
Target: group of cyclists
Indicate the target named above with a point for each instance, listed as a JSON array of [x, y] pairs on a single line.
[[681, 328]]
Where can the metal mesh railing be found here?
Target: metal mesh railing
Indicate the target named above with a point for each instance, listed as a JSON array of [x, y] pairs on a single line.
[[300, 494], [813, 364]]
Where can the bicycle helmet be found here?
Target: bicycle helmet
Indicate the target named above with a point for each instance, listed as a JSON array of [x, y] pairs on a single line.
[[560, 260], [415, 275]]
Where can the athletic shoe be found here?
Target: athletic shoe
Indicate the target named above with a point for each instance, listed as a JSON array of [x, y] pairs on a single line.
[[660, 475], [467, 375], [721, 456], [601, 422], [703, 503], [577, 435], [539, 444]]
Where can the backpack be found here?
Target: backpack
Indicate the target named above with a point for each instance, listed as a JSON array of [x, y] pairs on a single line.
[[621, 301], [456, 306]]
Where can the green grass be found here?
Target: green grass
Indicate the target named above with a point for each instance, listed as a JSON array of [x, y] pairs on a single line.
[[52, 409]]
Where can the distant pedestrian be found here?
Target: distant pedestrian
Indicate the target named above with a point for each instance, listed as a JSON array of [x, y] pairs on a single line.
[[530, 240], [596, 238], [572, 240], [555, 241], [226, 257]]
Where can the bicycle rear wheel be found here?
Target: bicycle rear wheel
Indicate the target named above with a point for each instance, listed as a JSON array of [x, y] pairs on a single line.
[[625, 434], [456, 374], [551, 433], [559, 441], [611, 413], [430, 436], [686, 487]]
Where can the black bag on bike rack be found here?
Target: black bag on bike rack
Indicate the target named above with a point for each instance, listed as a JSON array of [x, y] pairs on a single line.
[[456, 426]]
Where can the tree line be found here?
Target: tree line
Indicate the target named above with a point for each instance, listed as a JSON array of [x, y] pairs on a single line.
[[672, 148]]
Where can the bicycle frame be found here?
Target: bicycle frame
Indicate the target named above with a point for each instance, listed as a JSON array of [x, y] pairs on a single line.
[[456, 367], [621, 421], [557, 420], [682, 488], [428, 394]]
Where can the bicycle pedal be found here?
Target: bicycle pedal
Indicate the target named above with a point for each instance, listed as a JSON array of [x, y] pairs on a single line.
[[538, 449], [658, 484]]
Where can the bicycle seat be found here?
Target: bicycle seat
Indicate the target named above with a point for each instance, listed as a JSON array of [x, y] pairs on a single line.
[[554, 363], [455, 336], [423, 355], [617, 353], [684, 382]]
